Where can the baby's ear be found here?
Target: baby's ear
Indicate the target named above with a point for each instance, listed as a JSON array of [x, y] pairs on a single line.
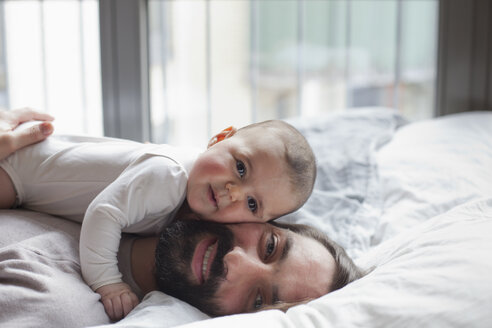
[[224, 134]]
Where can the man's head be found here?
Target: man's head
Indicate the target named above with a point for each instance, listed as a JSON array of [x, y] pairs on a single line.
[[257, 173], [226, 269]]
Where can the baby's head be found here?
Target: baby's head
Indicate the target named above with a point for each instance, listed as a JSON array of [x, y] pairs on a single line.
[[254, 174]]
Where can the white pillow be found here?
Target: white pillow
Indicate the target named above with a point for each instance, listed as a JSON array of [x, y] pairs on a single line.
[[158, 310], [432, 166]]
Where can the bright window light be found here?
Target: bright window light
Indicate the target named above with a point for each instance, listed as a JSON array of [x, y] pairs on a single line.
[[51, 61]]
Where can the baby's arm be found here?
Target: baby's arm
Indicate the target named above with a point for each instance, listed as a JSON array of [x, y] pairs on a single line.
[[152, 187]]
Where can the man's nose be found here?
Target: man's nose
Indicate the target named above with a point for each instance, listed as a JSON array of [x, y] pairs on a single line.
[[242, 266], [236, 193]]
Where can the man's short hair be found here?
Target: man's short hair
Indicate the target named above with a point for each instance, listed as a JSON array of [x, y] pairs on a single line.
[[299, 156]]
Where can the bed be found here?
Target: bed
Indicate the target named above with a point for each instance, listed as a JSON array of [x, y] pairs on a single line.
[[410, 202]]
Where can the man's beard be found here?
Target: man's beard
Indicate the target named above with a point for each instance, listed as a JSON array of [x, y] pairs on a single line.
[[173, 257]]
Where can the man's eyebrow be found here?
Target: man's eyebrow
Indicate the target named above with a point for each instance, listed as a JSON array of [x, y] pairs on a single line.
[[287, 246], [283, 256]]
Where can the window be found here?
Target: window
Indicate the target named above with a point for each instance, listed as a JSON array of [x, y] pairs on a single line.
[[49, 60], [215, 63]]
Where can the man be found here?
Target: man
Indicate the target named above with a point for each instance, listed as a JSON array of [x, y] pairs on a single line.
[[236, 268]]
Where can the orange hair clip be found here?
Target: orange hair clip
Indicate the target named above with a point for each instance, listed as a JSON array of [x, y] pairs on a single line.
[[223, 134]]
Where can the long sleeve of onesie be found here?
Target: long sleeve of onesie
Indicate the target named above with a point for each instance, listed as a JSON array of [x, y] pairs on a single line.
[[146, 192]]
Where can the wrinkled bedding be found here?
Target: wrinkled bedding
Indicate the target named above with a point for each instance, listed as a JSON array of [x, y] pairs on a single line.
[[408, 201], [432, 166], [40, 279], [347, 201]]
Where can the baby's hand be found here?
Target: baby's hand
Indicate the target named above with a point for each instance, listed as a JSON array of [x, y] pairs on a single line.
[[118, 300]]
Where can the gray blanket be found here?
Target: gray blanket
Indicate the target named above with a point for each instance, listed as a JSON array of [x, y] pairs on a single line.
[[346, 201]]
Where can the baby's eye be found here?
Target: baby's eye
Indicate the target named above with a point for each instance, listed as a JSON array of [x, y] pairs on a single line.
[[258, 302], [252, 204], [241, 168], [270, 246]]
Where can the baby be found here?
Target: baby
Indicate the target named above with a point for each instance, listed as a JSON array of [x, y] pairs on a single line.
[[253, 174]]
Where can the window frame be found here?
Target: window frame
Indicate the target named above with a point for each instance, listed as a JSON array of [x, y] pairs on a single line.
[[464, 60], [124, 69], [464, 63]]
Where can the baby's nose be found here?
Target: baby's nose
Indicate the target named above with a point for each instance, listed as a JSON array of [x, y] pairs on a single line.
[[235, 192]]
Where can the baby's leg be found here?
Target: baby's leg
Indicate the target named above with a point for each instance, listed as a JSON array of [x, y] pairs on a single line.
[[7, 191]]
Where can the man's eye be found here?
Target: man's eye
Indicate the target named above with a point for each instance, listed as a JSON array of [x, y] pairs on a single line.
[[270, 246], [241, 168], [252, 204], [258, 302]]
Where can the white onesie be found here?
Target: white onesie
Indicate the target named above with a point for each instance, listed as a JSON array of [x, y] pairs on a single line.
[[111, 185]]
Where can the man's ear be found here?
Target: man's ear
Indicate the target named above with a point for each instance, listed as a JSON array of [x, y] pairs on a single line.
[[224, 134]]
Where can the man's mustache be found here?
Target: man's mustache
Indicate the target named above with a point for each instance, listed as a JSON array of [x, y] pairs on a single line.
[[174, 253], [218, 269]]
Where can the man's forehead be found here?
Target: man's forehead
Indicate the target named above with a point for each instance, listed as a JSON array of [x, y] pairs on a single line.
[[309, 278]]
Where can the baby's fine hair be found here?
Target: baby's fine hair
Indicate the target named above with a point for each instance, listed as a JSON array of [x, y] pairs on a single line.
[[299, 156]]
